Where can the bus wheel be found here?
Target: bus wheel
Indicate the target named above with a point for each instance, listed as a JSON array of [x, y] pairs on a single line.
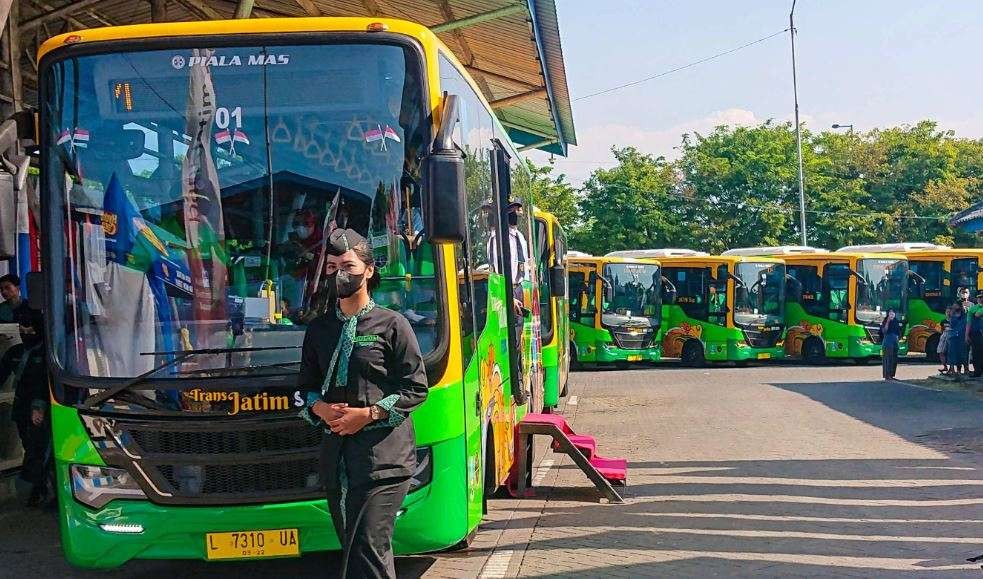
[[692, 354], [491, 485], [813, 352], [932, 348]]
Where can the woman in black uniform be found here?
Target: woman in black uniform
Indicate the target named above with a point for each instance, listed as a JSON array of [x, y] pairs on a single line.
[[363, 373]]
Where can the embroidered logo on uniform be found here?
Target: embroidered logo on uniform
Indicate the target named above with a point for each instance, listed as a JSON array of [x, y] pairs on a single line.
[[365, 340]]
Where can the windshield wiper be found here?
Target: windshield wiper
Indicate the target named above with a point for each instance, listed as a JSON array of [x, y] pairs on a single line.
[[181, 355]]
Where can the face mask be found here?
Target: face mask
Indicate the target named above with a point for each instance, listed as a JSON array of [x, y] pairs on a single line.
[[513, 219], [348, 284], [302, 232]]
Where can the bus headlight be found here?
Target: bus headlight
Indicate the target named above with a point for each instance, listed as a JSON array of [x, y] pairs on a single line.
[[424, 469], [95, 486]]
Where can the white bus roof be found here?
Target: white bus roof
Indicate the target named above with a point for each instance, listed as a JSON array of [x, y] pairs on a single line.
[[892, 247], [573, 253], [656, 253], [775, 250]]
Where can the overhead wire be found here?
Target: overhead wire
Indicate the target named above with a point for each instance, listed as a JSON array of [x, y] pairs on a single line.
[[680, 68]]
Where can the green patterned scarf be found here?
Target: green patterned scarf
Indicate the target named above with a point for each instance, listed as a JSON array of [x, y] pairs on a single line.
[[343, 350]]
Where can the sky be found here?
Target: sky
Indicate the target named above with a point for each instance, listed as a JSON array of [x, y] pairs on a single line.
[[870, 63]]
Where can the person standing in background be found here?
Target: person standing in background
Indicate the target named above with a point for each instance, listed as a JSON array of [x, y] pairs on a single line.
[[30, 412], [10, 292], [890, 336], [974, 335], [957, 339]]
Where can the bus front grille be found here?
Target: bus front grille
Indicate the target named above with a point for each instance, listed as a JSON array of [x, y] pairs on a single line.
[[632, 338], [762, 338], [209, 462]]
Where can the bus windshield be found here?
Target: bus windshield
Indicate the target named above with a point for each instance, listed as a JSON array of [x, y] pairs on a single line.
[[197, 185], [635, 294], [759, 297], [883, 285]]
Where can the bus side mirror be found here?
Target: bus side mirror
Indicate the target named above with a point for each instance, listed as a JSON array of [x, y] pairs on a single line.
[[443, 174], [35, 290], [558, 280]]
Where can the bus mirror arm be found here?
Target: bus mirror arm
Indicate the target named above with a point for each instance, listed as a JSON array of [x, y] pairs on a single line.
[[445, 214], [737, 281], [918, 279], [860, 279]]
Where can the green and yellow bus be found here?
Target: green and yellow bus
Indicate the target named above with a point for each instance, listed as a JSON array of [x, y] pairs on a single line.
[[615, 309], [938, 273], [719, 308], [835, 301], [190, 173], [550, 249]]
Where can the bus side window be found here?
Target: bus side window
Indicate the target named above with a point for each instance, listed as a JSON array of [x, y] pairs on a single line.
[[836, 281], [693, 290], [717, 312]]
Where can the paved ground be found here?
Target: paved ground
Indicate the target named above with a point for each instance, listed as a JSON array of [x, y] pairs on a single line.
[[771, 471]]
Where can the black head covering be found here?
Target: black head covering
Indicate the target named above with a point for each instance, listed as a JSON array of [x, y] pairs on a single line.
[[341, 240]]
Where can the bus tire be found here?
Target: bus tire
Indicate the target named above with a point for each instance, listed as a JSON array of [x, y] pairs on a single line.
[[813, 351], [490, 485], [692, 355], [932, 348]]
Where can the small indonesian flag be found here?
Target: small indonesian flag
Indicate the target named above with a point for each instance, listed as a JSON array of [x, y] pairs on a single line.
[[74, 138], [373, 135], [222, 137], [240, 137], [390, 133], [81, 138]]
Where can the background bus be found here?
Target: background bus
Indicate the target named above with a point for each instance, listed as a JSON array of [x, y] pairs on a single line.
[[721, 308], [938, 273], [550, 250], [186, 184], [615, 309], [835, 302]]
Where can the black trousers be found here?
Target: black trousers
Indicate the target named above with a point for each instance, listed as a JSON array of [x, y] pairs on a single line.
[[367, 526], [889, 357], [36, 441], [976, 348]]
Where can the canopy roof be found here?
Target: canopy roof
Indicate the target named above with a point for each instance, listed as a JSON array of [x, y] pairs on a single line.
[[511, 47]]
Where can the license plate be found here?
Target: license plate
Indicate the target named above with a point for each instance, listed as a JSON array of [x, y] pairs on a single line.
[[634, 358], [764, 355], [250, 544]]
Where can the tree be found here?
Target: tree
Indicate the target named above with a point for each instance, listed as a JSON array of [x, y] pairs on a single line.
[[742, 183], [554, 194], [631, 206]]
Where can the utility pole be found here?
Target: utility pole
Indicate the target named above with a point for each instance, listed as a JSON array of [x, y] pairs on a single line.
[[798, 131]]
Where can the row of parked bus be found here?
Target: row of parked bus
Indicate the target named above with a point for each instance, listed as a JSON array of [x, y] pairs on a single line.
[[761, 303]]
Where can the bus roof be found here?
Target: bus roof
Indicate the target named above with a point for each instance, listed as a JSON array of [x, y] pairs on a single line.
[[893, 247], [729, 259], [782, 250], [511, 49], [602, 259], [656, 253]]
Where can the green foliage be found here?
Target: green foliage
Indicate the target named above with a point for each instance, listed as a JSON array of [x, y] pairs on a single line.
[[738, 186]]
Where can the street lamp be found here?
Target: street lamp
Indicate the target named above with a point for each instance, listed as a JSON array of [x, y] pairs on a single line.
[[798, 131], [848, 127]]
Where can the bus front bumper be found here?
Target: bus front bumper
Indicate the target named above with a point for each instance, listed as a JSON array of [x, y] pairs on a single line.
[[608, 353], [139, 529], [739, 351]]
